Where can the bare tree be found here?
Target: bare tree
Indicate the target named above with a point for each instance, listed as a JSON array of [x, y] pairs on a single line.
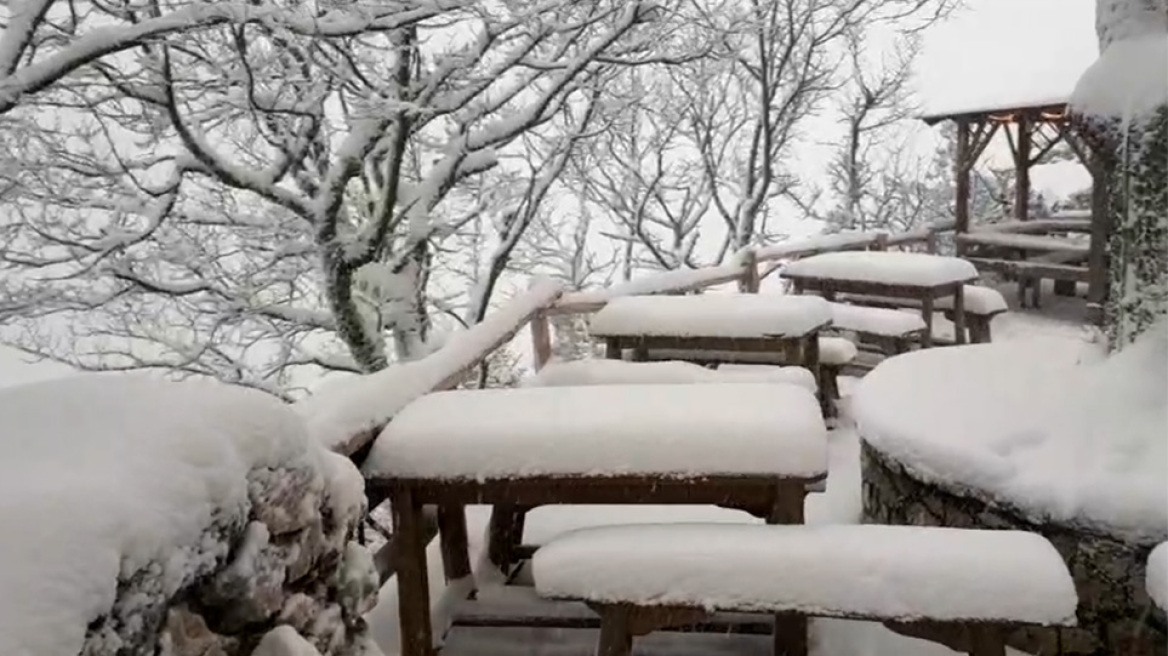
[[702, 153], [264, 186]]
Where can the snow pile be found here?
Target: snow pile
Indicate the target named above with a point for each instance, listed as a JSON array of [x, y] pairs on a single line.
[[611, 430], [620, 372], [884, 267], [345, 415], [1130, 78], [888, 572], [1158, 576], [712, 315], [120, 493], [1020, 422]]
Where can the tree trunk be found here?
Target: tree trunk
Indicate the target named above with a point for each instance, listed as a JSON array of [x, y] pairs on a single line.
[[1127, 124]]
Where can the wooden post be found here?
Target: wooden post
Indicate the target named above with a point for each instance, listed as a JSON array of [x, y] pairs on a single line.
[[453, 539], [616, 637], [959, 314], [961, 173], [881, 243], [750, 279], [931, 241], [413, 588], [541, 340], [1097, 256], [1022, 167]]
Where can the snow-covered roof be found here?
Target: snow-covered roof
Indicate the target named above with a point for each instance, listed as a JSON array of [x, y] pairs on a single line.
[[993, 104]]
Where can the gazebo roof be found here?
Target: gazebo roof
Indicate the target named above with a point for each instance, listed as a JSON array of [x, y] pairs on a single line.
[[998, 108]]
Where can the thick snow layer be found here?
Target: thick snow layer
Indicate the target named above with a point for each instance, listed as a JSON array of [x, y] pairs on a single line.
[[712, 315], [1128, 81], [879, 572], [339, 415], [836, 351], [1022, 423], [1040, 243], [656, 283], [103, 475], [817, 244], [884, 267], [284, 641], [621, 372], [978, 300], [749, 428], [1157, 575], [875, 321]]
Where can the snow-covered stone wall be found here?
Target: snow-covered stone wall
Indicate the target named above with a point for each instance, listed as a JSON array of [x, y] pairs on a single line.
[[183, 519]]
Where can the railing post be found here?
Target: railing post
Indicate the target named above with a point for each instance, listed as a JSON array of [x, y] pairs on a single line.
[[931, 241], [750, 280], [541, 340]]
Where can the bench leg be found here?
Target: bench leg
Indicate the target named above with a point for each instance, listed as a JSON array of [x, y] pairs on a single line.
[[986, 641], [616, 636], [413, 590], [505, 535], [790, 635], [979, 329], [927, 315], [453, 539]]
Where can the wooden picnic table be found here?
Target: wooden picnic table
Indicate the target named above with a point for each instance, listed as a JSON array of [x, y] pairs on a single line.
[[787, 326], [516, 449], [918, 276]]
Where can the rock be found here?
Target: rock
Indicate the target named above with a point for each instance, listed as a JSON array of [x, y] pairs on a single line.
[[285, 500], [186, 634]]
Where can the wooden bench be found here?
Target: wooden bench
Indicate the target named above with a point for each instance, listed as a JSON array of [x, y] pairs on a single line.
[[982, 304], [963, 588], [669, 372], [893, 331], [834, 353], [754, 447]]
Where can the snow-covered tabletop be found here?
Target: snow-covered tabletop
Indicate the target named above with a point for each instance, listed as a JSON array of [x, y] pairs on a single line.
[[748, 429], [102, 476], [1157, 576], [885, 572], [882, 268], [711, 315], [1022, 424]]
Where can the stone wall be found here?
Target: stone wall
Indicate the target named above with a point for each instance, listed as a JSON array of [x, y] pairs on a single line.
[[287, 559], [1115, 614]]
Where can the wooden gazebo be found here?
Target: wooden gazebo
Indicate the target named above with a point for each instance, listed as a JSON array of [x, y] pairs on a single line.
[[1033, 128]]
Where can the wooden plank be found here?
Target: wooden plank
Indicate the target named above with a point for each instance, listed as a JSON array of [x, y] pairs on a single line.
[[521, 606], [1023, 242], [1032, 269], [1036, 226]]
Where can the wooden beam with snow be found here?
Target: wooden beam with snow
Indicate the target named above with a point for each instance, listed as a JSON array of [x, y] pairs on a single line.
[[348, 416]]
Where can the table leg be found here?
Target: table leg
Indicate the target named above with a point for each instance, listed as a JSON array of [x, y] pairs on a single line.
[[453, 538], [504, 535], [810, 360], [413, 591], [959, 314], [612, 349], [927, 315], [790, 632]]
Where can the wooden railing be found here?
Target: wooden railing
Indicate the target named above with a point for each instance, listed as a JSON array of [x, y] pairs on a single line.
[[348, 418]]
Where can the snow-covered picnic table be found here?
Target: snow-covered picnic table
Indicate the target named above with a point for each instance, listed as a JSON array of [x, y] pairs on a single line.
[[783, 326], [757, 447], [919, 276]]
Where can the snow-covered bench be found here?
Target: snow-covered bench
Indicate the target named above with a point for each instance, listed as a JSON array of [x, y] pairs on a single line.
[[982, 304], [752, 446], [891, 329], [621, 372], [960, 587], [835, 353]]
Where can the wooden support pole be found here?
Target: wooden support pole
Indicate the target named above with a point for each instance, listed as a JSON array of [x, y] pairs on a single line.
[[750, 278], [1022, 167], [541, 340], [962, 168]]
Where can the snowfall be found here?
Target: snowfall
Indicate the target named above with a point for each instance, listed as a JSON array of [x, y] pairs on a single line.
[[1037, 419]]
